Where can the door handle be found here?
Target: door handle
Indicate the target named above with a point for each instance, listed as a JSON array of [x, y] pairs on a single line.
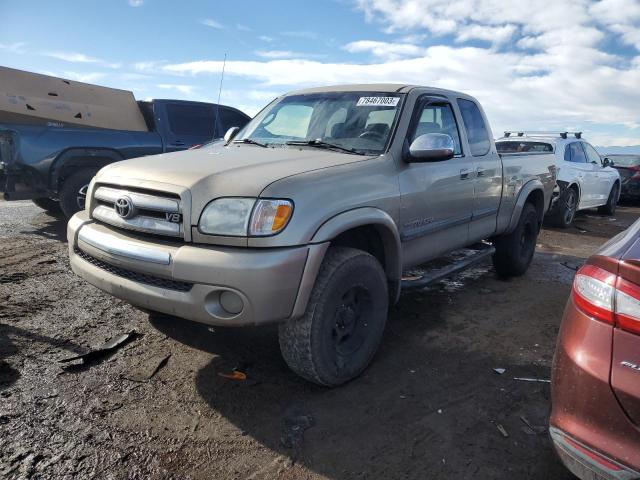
[[178, 143], [464, 173], [480, 172]]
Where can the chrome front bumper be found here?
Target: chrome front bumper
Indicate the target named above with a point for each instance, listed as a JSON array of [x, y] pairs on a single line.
[[273, 284]]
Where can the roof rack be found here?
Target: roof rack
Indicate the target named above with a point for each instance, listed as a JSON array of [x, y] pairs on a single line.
[[522, 133]]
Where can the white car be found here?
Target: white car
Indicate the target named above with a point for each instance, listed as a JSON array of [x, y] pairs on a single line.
[[584, 179]]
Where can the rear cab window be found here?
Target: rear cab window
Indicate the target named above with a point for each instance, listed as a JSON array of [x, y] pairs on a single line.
[[524, 146], [191, 119], [477, 133]]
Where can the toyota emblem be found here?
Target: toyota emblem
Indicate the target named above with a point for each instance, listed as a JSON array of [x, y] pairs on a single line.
[[124, 207]]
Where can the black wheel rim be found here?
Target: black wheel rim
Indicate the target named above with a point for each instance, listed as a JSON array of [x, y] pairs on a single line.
[[350, 326], [570, 209], [527, 240], [81, 197]]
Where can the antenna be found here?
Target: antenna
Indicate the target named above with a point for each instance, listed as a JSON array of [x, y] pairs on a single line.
[[224, 63]]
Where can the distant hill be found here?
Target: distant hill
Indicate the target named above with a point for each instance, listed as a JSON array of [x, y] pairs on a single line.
[[631, 149]]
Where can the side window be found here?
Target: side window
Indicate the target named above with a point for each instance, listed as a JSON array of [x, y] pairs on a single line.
[[477, 133], [592, 155], [191, 119], [574, 153], [230, 118], [292, 120], [437, 118]]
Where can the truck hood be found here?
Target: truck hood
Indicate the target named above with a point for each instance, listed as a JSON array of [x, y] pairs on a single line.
[[213, 172]]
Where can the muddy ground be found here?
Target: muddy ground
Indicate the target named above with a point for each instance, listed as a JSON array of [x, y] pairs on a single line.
[[428, 407]]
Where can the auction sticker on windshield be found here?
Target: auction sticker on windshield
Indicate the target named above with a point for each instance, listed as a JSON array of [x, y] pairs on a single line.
[[375, 101]]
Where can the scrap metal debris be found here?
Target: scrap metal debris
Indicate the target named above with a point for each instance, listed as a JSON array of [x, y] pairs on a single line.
[[533, 430], [102, 351], [502, 430], [499, 371], [237, 373], [527, 379]]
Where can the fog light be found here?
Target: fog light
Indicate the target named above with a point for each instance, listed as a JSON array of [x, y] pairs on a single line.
[[231, 302]]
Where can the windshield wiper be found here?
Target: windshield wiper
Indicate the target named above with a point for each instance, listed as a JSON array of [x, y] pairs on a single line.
[[250, 141], [322, 144]]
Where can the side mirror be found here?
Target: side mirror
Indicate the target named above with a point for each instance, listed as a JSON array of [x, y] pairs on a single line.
[[431, 147], [606, 162], [232, 132]]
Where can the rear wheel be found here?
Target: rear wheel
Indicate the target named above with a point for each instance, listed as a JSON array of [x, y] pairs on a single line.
[[73, 193], [47, 204], [565, 210], [609, 208], [515, 250], [341, 330]]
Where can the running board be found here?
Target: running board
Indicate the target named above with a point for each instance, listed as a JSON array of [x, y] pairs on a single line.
[[446, 266]]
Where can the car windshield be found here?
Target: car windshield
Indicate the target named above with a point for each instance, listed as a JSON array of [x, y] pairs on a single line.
[[625, 160], [356, 122]]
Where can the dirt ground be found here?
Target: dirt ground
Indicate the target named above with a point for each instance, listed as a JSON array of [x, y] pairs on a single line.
[[428, 407]]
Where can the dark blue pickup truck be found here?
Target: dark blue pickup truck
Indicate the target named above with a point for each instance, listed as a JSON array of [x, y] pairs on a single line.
[[53, 164]]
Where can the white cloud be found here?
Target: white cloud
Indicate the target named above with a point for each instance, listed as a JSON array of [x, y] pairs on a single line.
[[266, 38], [182, 88], [243, 28], [209, 22], [494, 34], [301, 34], [85, 77], [136, 3], [17, 47], [73, 57], [388, 51], [282, 54]]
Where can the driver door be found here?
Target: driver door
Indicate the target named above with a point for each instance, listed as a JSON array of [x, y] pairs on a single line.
[[436, 197]]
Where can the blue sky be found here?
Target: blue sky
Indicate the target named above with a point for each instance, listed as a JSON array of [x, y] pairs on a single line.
[[541, 64]]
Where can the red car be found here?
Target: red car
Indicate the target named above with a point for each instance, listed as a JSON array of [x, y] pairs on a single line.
[[595, 390]]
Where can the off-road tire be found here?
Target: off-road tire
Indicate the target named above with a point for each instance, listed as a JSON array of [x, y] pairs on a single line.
[[71, 188], [48, 205], [515, 250], [313, 345], [609, 208], [565, 209]]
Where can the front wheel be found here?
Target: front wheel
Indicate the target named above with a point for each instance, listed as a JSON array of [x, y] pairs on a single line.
[[609, 208], [515, 250], [73, 193], [341, 329], [565, 210]]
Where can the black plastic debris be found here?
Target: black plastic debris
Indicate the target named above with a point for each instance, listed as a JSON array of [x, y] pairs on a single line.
[[102, 351], [294, 424]]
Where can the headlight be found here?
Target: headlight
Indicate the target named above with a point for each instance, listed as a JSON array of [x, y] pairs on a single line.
[[239, 217]]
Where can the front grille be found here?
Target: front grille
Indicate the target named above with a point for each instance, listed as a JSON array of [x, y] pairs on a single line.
[[135, 276], [146, 212]]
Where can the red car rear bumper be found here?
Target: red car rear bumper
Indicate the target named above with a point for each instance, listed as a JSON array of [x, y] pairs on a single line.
[[591, 433]]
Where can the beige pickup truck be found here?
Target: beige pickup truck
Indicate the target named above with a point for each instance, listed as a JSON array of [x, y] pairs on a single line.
[[309, 215]]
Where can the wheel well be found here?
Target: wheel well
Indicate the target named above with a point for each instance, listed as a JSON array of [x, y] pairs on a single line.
[[365, 238], [536, 198]]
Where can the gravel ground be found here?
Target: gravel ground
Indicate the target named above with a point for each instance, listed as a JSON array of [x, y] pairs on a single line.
[[429, 406]]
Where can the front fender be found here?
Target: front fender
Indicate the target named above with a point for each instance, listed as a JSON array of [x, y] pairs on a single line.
[[364, 216]]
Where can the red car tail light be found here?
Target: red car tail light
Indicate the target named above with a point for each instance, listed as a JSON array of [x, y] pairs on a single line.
[[593, 292], [628, 306], [605, 297]]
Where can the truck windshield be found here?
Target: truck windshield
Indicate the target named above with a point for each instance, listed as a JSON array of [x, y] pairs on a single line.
[[360, 122]]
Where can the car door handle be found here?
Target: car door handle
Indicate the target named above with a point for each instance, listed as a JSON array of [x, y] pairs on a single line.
[[480, 172], [178, 143], [464, 173]]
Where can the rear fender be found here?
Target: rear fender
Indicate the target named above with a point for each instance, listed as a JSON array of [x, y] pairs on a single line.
[[525, 192], [81, 158]]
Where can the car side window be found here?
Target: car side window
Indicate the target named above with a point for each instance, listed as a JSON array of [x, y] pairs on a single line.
[[477, 133], [187, 119], [230, 118], [574, 153], [592, 155], [437, 118]]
